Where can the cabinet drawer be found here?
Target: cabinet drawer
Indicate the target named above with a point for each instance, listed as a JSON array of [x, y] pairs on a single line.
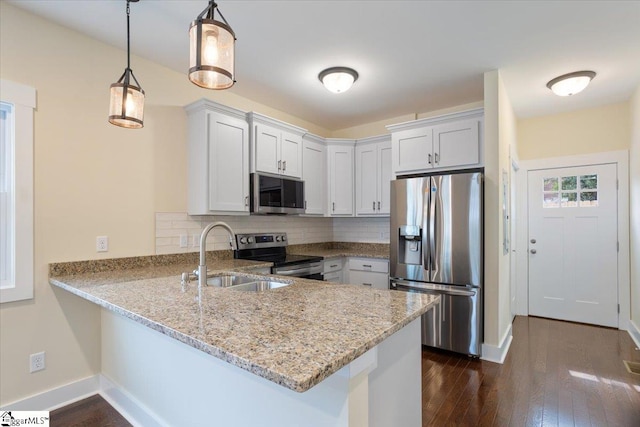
[[332, 265], [335, 277], [368, 264], [368, 278]]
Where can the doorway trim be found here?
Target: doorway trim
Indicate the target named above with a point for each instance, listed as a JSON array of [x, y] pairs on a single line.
[[621, 159]]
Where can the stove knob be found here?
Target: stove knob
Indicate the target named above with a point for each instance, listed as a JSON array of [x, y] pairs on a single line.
[[250, 240], [284, 238], [278, 238], [243, 240]]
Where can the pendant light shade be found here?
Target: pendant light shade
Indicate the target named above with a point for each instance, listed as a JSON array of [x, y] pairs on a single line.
[[126, 104], [212, 50], [572, 83]]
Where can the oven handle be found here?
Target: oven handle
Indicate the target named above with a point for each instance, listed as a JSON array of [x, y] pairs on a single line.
[[289, 271]]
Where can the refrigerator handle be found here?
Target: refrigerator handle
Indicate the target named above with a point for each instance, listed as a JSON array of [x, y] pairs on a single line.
[[426, 193], [433, 196]]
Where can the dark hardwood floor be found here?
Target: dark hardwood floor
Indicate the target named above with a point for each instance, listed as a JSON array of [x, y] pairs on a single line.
[[93, 411], [556, 374]]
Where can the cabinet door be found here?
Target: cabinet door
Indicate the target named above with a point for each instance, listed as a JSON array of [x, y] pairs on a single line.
[[385, 175], [413, 150], [456, 144], [340, 180], [267, 149], [366, 179], [291, 155], [313, 168], [228, 164]]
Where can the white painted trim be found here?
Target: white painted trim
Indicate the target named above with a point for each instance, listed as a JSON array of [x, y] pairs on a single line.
[[497, 354], [132, 410], [436, 120], [634, 332], [621, 159], [128, 406], [57, 397], [208, 105]]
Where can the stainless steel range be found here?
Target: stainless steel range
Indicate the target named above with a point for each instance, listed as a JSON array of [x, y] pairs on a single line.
[[272, 247]]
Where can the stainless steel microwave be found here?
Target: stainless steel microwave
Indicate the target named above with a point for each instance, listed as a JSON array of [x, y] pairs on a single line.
[[276, 195]]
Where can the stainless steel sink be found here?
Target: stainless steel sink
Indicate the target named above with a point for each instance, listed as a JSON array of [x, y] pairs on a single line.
[[243, 283], [260, 285], [226, 281]]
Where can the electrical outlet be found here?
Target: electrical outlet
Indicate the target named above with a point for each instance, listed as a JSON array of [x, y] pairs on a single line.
[[102, 244], [37, 362], [184, 240], [196, 240]]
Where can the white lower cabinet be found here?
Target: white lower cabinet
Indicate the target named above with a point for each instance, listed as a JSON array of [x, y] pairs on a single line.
[[332, 270], [372, 272]]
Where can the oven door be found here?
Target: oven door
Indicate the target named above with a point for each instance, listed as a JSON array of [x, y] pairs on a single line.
[[311, 270]]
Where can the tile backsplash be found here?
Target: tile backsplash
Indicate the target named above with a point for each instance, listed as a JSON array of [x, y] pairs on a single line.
[[172, 227]]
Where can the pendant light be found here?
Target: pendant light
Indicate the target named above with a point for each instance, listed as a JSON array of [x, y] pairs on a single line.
[[212, 55], [126, 107], [572, 83], [338, 79]]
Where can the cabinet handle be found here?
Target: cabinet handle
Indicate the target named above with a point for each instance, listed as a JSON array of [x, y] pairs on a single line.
[[305, 204], [284, 165], [429, 158], [437, 158], [333, 265], [378, 205], [279, 164], [374, 206], [366, 265], [367, 284], [246, 200], [334, 206]]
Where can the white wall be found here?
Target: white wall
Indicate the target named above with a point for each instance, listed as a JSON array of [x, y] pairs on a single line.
[[500, 134], [634, 177]]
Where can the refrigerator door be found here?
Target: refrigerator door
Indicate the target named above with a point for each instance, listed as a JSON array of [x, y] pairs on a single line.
[[455, 323], [455, 229], [408, 236]]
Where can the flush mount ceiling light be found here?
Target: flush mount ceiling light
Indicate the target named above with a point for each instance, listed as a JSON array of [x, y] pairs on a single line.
[[212, 45], [126, 105], [572, 83], [338, 79]]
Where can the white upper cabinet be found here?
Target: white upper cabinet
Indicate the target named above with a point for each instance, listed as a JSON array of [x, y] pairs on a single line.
[[314, 174], [341, 169], [218, 160], [276, 147], [373, 175], [451, 141]]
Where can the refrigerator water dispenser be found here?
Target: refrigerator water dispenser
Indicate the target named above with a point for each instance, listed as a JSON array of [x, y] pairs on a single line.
[[410, 244]]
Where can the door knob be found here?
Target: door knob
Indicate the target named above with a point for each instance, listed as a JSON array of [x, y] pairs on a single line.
[[533, 251], [533, 240]]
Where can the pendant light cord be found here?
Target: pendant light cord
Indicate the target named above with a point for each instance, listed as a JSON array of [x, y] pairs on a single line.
[[128, 39]]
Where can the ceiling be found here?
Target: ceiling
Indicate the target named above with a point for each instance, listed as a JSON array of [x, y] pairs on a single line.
[[412, 56]]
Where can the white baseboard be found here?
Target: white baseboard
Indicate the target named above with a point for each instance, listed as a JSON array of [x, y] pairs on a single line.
[[497, 354], [634, 332], [128, 406], [57, 397], [134, 412]]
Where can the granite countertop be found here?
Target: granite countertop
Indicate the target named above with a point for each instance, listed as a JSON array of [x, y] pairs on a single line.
[[295, 336]]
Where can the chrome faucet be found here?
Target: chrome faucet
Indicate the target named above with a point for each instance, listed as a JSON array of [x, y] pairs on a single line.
[[201, 272]]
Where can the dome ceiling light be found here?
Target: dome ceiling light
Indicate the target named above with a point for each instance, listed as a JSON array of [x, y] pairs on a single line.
[[212, 50], [572, 83], [126, 103], [338, 79]]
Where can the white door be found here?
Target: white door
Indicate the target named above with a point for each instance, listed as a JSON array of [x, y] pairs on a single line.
[[366, 179], [573, 267], [314, 177], [341, 180], [456, 144], [385, 175], [267, 149]]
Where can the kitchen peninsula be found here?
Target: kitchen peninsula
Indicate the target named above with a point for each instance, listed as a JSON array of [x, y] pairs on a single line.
[[310, 353]]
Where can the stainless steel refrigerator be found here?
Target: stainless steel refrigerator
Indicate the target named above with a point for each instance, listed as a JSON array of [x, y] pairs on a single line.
[[437, 248]]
